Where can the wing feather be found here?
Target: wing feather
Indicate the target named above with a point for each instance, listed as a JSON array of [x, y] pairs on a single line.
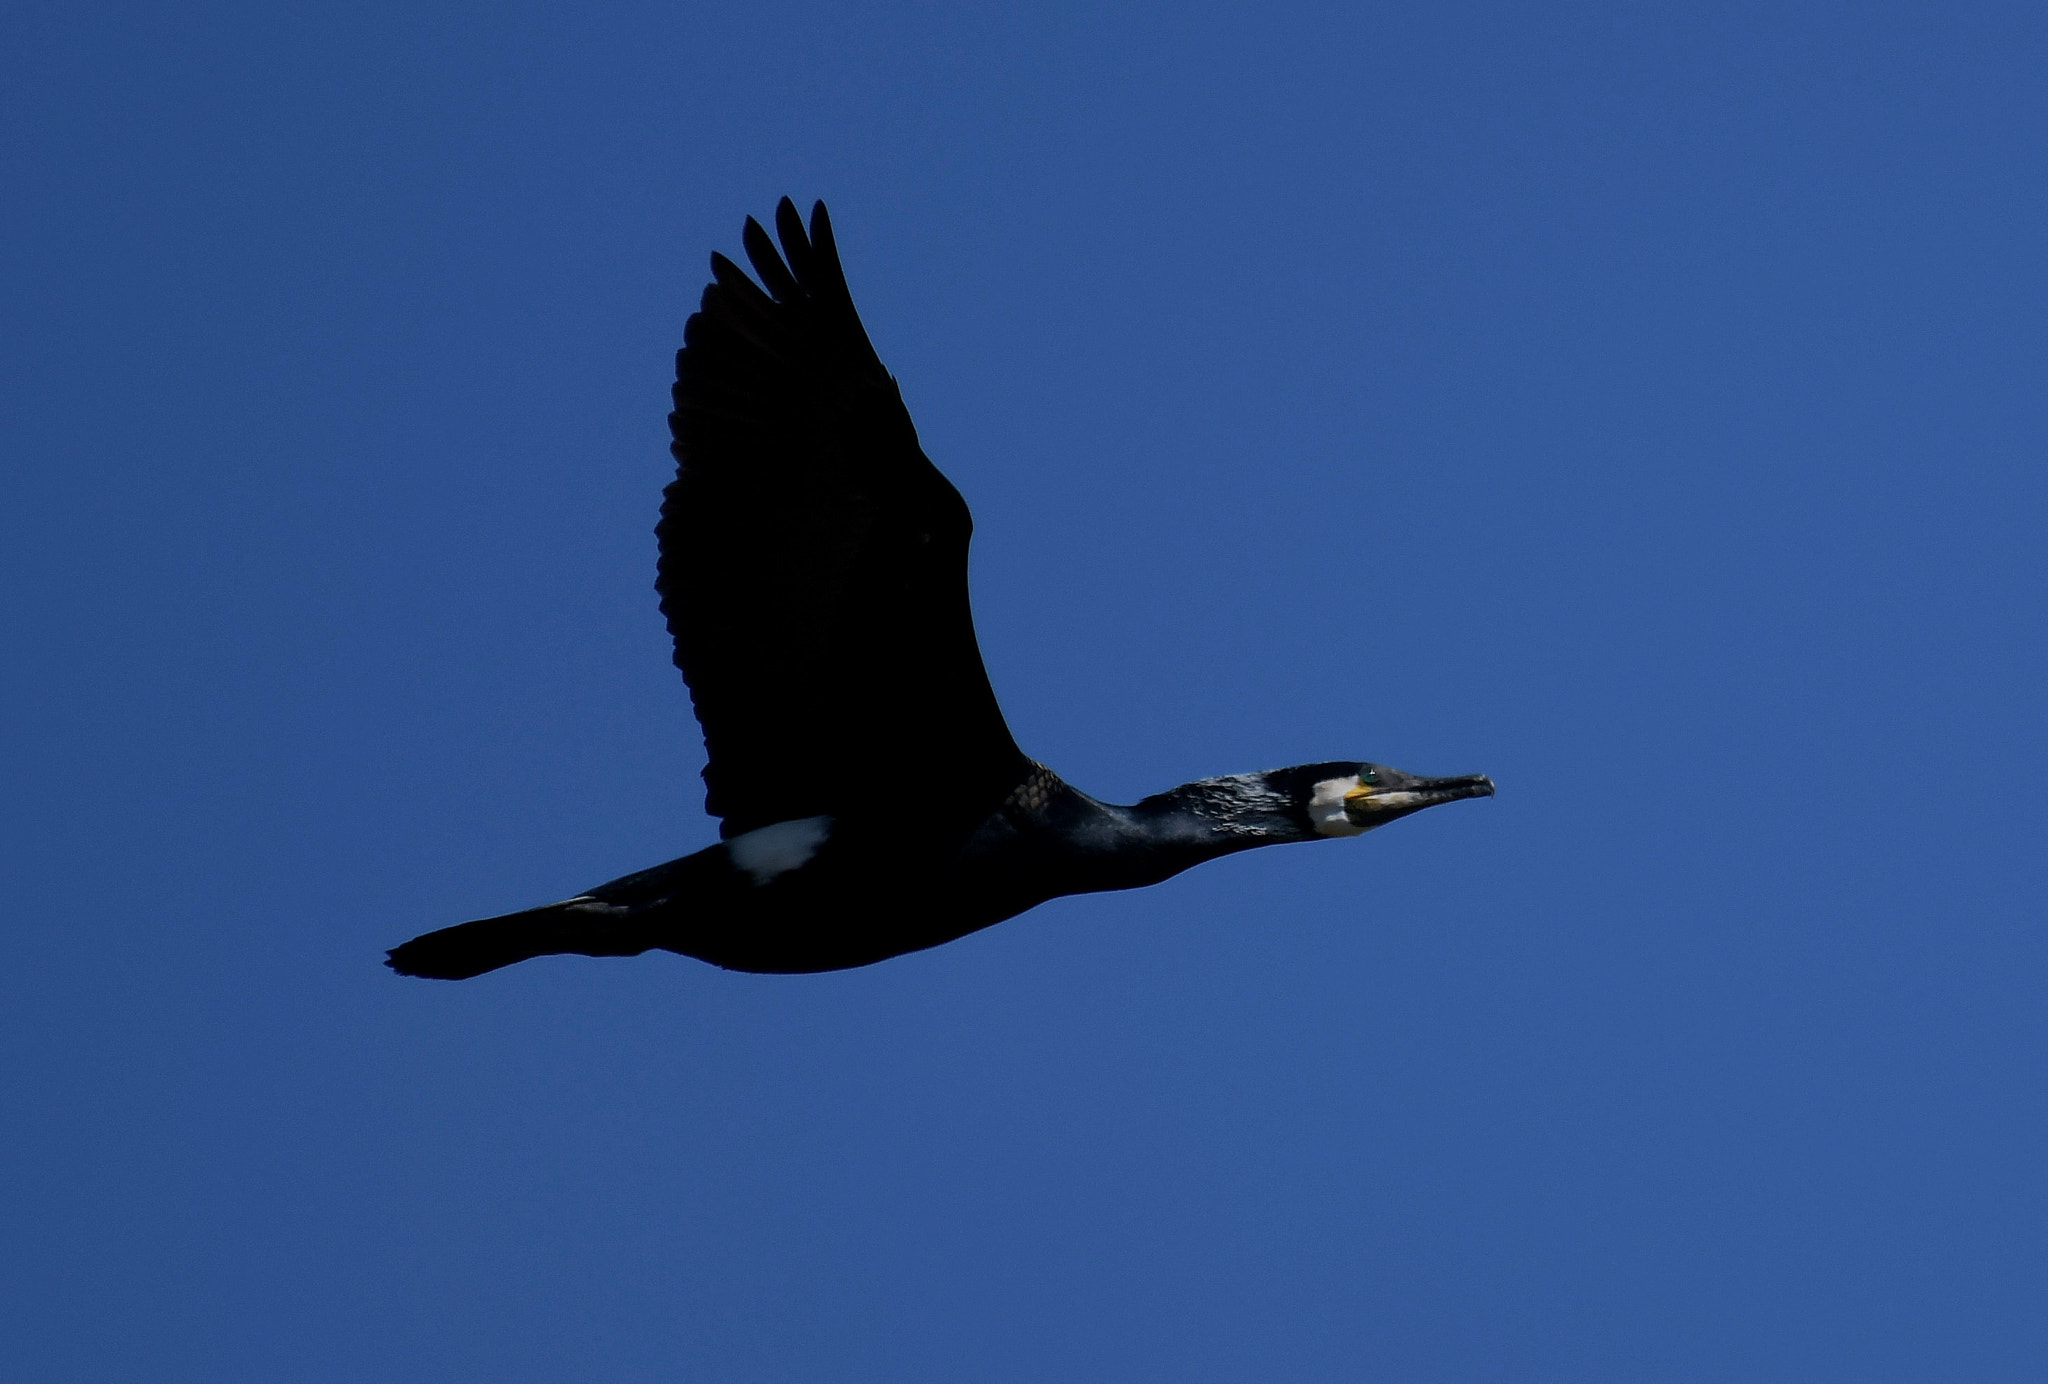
[[813, 565]]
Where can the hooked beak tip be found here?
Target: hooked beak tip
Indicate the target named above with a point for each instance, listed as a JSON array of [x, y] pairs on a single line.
[[1461, 786]]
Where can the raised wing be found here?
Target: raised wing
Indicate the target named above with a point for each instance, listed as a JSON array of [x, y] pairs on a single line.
[[814, 563]]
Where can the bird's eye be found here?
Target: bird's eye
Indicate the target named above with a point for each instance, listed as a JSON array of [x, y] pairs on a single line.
[[1368, 774]]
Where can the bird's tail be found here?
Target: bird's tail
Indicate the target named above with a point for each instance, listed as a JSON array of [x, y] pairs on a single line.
[[581, 926]]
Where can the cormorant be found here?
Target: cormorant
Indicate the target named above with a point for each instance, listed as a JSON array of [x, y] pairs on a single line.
[[813, 572]]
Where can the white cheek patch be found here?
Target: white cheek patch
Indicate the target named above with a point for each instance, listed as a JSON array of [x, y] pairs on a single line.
[[774, 850], [1326, 807]]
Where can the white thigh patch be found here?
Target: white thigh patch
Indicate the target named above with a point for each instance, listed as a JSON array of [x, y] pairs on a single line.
[[769, 851]]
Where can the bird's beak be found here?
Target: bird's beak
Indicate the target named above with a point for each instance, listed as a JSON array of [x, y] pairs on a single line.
[[1369, 805]]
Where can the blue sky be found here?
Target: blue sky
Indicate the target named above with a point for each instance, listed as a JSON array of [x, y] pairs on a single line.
[[1641, 404]]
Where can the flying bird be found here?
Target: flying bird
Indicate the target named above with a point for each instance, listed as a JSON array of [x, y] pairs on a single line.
[[813, 573]]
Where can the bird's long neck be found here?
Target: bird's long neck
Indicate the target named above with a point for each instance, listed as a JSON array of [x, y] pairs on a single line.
[[1168, 832], [1221, 815], [1050, 838]]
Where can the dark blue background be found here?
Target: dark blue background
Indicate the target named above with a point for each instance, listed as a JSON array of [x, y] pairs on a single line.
[[1643, 404]]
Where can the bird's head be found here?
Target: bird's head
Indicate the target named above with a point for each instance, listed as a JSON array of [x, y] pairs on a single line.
[[1346, 799]]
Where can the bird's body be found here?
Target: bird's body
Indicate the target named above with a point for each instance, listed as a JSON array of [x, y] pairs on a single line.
[[813, 573]]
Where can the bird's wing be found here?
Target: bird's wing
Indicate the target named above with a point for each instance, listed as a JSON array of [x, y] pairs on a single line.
[[814, 562]]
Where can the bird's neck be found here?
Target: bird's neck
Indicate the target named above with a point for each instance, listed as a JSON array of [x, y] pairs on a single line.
[[1217, 816], [1053, 839]]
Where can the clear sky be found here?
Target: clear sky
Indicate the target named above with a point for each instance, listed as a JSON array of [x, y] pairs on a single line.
[[1643, 404]]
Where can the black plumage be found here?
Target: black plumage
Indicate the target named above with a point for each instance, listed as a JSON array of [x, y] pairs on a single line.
[[813, 573]]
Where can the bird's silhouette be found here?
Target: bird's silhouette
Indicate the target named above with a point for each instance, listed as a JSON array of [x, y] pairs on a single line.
[[813, 572]]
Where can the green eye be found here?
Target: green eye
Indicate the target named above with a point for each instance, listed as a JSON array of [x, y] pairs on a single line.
[[1368, 774]]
